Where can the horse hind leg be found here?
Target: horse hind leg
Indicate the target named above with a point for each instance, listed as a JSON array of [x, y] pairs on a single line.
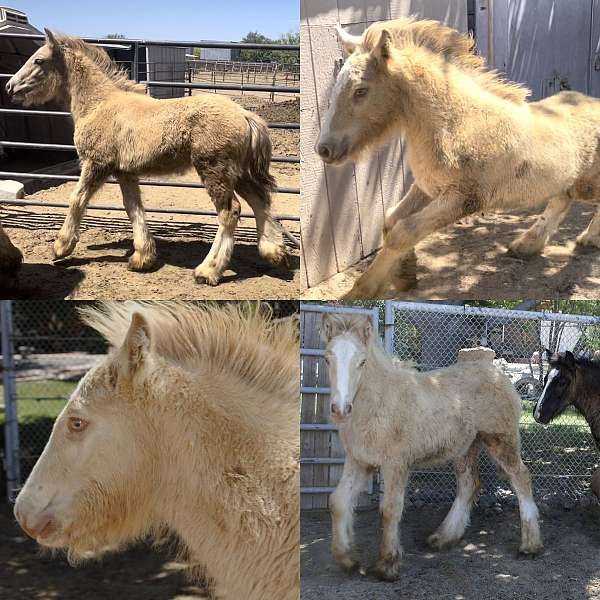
[[220, 187], [506, 451], [269, 232], [591, 236], [532, 242], [467, 481]]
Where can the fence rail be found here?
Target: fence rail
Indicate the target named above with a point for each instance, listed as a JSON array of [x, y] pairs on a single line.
[[560, 456]]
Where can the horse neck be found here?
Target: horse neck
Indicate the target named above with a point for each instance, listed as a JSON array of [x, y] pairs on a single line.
[[587, 399], [205, 486], [86, 84]]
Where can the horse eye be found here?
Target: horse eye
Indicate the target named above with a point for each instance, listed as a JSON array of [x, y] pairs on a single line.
[[38, 61], [77, 425], [362, 362], [360, 92]]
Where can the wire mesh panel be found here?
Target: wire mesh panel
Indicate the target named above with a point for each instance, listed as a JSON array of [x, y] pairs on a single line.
[[52, 351], [562, 455]]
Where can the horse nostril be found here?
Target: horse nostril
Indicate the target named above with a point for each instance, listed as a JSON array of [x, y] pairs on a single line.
[[334, 409], [349, 408], [324, 151]]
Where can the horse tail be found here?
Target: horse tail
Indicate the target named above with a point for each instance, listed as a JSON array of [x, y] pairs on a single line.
[[260, 151]]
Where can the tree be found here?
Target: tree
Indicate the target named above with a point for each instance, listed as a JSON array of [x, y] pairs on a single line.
[[282, 57]]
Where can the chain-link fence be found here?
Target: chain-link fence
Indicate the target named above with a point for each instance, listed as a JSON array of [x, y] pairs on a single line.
[[561, 455], [46, 349]]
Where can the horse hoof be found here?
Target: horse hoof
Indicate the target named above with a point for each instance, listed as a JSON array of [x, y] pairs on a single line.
[[591, 243], [204, 279], [63, 248], [388, 569], [523, 250], [531, 551], [137, 262], [275, 254]]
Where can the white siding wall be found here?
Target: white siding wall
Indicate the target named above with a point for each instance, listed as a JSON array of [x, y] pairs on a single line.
[[343, 207]]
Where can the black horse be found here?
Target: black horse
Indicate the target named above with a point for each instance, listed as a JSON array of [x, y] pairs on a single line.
[[574, 382]]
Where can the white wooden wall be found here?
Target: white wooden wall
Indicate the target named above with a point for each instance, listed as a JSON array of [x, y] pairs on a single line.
[[343, 207]]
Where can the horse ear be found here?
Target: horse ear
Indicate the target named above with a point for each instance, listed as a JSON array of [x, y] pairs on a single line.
[[50, 39], [570, 358], [383, 49], [349, 41], [366, 330], [137, 342], [326, 328]]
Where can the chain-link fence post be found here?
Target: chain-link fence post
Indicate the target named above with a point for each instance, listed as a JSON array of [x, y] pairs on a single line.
[[11, 425], [388, 328]]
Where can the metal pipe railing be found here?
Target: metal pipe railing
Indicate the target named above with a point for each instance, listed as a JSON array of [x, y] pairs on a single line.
[[72, 148], [179, 44], [158, 183]]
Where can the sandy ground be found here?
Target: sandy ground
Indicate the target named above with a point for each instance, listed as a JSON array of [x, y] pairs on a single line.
[[98, 267], [483, 566], [469, 260], [142, 573]]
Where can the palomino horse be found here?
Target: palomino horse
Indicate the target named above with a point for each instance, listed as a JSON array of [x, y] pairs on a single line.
[[10, 262], [473, 142], [572, 382], [122, 132], [189, 425], [394, 418]]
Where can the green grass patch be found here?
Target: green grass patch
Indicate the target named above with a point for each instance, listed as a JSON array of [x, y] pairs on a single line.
[[40, 399]]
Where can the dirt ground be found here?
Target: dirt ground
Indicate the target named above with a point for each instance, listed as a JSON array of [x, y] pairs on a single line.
[[483, 566], [142, 573], [469, 260], [98, 266]]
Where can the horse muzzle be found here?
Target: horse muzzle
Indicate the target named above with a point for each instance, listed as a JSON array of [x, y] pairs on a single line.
[[340, 412], [332, 152]]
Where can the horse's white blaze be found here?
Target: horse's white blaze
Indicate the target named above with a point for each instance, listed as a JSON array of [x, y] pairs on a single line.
[[538, 408], [345, 358]]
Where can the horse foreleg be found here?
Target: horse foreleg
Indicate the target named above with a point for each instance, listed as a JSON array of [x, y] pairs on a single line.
[[413, 201], [404, 275], [467, 483], [591, 236], [402, 239], [354, 480], [91, 178], [532, 242], [390, 551], [144, 248]]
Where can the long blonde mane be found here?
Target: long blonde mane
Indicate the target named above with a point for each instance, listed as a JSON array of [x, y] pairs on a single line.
[[452, 46], [238, 339], [100, 58]]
